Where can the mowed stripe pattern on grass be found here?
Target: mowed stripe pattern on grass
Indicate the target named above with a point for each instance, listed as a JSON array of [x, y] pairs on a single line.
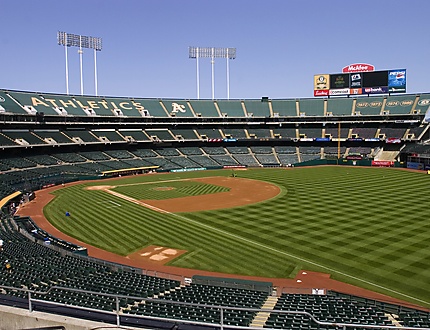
[[168, 190], [370, 223]]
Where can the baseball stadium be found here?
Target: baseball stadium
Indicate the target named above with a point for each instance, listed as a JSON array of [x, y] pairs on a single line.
[[286, 213], [140, 207]]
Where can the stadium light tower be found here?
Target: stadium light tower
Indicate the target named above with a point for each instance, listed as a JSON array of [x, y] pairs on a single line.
[[76, 40], [212, 53]]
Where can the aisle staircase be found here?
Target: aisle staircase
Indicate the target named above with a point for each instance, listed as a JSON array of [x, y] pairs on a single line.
[[261, 317]]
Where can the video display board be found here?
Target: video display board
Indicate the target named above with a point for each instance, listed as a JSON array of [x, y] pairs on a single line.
[[354, 83]]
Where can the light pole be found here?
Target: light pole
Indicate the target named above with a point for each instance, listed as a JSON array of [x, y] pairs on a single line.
[[76, 40], [212, 53]]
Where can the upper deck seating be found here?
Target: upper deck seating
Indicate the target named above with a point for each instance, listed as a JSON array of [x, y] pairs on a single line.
[[284, 108], [209, 133], [23, 137], [8, 105], [152, 107], [178, 108], [364, 132], [259, 133], [257, 108], [80, 135], [311, 107], [234, 133], [284, 133], [133, 134], [51, 136], [107, 135], [366, 106], [185, 134], [333, 132], [231, 108], [204, 108], [399, 104], [159, 134], [339, 106]]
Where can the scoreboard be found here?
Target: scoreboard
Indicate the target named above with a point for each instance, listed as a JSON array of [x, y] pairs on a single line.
[[356, 83]]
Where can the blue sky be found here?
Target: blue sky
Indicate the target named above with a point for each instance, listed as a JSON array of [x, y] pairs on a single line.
[[281, 44]]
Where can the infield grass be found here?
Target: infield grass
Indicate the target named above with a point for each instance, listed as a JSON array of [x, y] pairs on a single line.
[[365, 226]]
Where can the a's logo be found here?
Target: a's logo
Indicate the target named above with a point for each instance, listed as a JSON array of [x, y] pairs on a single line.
[[392, 103], [178, 107], [2, 99], [424, 102], [356, 77]]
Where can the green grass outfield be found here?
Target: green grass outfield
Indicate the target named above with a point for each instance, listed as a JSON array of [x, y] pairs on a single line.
[[366, 226]]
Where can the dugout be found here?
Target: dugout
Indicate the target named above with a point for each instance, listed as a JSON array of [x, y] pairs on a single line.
[[234, 283]]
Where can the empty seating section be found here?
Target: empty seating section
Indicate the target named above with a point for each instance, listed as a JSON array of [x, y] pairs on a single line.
[[184, 134], [94, 106], [167, 152], [52, 136], [94, 155], [238, 150], [23, 137], [108, 135], [153, 107], [285, 150], [312, 133], [311, 107], [119, 154], [364, 151], [332, 152], [415, 132], [224, 160], [44, 160], [214, 150], [367, 106], [231, 108], [364, 132], [184, 162], [267, 159], [234, 133], [325, 308], [399, 104], [163, 163], [423, 104], [204, 161], [309, 153], [209, 133], [284, 108], [9, 105], [284, 133], [259, 133], [204, 108], [121, 107], [288, 159], [70, 157], [6, 141], [134, 134], [178, 108], [339, 107], [10, 163], [392, 132], [160, 134], [416, 319], [144, 153], [245, 159], [333, 132], [257, 108], [81, 135], [34, 103], [261, 150], [189, 151]]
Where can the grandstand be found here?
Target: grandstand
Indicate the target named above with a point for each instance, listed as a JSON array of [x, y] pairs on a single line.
[[52, 139]]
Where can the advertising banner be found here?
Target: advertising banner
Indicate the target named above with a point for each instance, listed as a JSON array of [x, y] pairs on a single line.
[[382, 163], [322, 92], [321, 82], [321, 139], [358, 67], [343, 91], [397, 81], [356, 91], [375, 90], [338, 81], [355, 80]]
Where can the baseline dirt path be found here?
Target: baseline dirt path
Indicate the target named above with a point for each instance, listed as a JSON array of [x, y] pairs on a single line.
[[304, 281]]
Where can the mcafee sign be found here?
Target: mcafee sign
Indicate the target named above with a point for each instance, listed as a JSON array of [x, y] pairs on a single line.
[[358, 67]]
